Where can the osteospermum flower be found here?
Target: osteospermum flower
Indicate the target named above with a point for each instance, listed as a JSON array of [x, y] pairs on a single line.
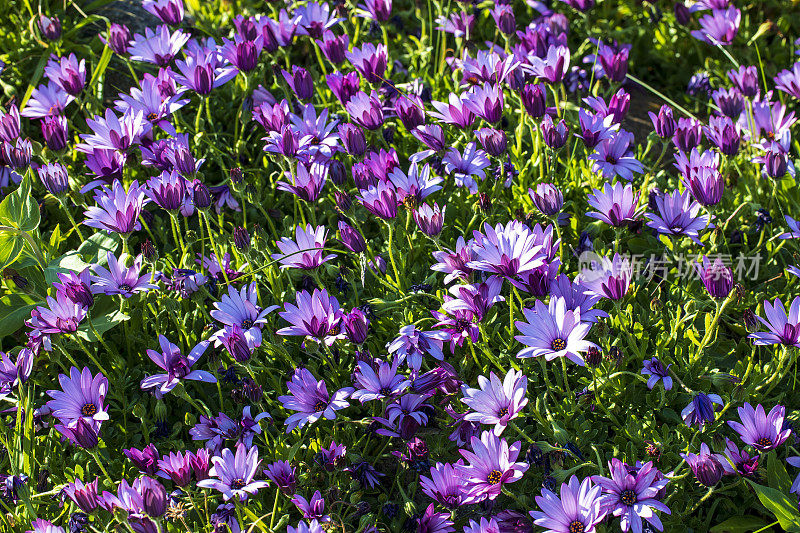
[[316, 315], [444, 485], [496, 402], [760, 430], [158, 46], [62, 315], [376, 384], [701, 409], [81, 397], [576, 296], [118, 209], [310, 397], [235, 473], [735, 462], [632, 497], [506, 250], [306, 251], [783, 329], [312, 509], [47, 101], [610, 278], [68, 73], [578, 510], [613, 157], [615, 204], [655, 369], [240, 308], [553, 331], [677, 214], [492, 463], [720, 27], [177, 365], [466, 166], [118, 279], [456, 111]]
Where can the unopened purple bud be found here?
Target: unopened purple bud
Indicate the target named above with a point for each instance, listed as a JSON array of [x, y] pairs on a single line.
[[201, 195], [9, 124], [534, 100], [236, 174], [493, 141], [343, 201], [410, 110], [55, 132], [241, 239], [301, 82], [352, 238], [154, 497], [614, 63], [50, 27], [555, 135], [148, 250], [664, 123], [547, 199], [337, 172], [356, 326], [119, 38], [776, 162], [504, 18], [18, 155], [334, 46], [54, 178], [430, 220], [353, 139], [682, 14], [184, 161], [237, 346]]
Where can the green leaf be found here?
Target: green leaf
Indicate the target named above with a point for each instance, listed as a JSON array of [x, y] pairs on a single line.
[[101, 66], [37, 75], [69, 262], [19, 210], [738, 524], [777, 475], [95, 249], [101, 325], [14, 310], [782, 506], [10, 247]]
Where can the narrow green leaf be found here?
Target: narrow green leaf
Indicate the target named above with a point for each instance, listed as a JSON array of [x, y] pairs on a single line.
[[102, 64], [37, 75], [738, 524]]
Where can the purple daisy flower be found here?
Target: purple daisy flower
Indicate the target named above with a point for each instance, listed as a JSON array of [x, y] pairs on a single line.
[[492, 463], [235, 473], [783, 329], [762, 431], [61, 315], [553, 331], [454, 263], [370, 61], [579, 509], [380, 200], [306, 251], [158, 47], [240, 308], [701, 409], [788, 81], [404, 416], [655, 369], [156, 107], [456, 111], [118, 209], [68, 73], [551, 67], [576, 296], [380, 383], [477, 298], [444, 485], [176, 466], [677, 214], [433, 522], [484, 526], [81, 397], [720, 27], [308, 182], [169, 11], [312, 527], [47, 101], [706, 466], [310, 397], [716, 277], [379, 10], [608, 278], [615, 204], [114, 133], [83, 494], [632, 496], [486, 101], [177, 365], [282, 473], [168, 190], [736, 462], [464, 167], [412, 345], [506, 250], [417, 184], [366, 110], [496, 402], [118, 279], [794, 229], [41, 525], [313, 509], [613, 157], [316, 315]]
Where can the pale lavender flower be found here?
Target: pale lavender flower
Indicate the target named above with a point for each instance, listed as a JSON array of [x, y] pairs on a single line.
[[119, 279], [177, 365], [310, 397], [553, 331], [158, 47], [496, 402], [306, 251]]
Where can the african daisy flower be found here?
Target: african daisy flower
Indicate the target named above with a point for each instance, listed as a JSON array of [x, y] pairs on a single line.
[[632, 497], [613, 157], [576, 296], [454, 263], [456, 111], [240, 308], [47, 101], [68, 73], [118, 209], [62, 315], [114, 133], [235, 473], [312, 509], [701, 409], [118, 279], [735, 462], [310, 397], [158, 46], [177, 365], [615, 204], [610, 278], [578, 510], [506, 250], [444, 485], [794, 229], [308, 182], [720, 27], [411, 345], [677, 214], [553, 331], [376, 384], [552, 67], [762, 431], [81, 397], [465, 167], [657, 372], [496, 402], [492, 463], [316, 315], [706, 466], [783, 329], [306, 251]]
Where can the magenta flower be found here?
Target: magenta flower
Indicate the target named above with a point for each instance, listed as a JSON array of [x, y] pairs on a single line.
[[316, 315], [177, 365], [310, 397], [610, 278], [633, 496], [380, 200], [506, 250], [720, 27], [430, 220], [366, 110], [308, 182], [706, 466], [678, 215], [315, 19], [553, 331], [496, 402], [41, 525], [68, 73], [415, 185], [379, 10], [735, 462], [118, 279], [788, 81], [282, 473], [761, 431], [306, 251], [378, 383], [169, 11], [579, 509], [444, 485], [717, 278], [551, 67], [113, 132], [492, 463], [313, 509], [456, 112], [158, 47], [203, 69], [412, 345], [454, 263], [177, 467], [476, 298], [81, 397], [61, 315], [486, 101], [370, 61], [235, 473], [615, 204], [783, 329], [156, 107], [459, 24], [576, 296]]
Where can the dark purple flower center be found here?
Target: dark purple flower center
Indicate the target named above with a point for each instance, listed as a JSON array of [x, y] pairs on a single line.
[[628, 497], [124, 287], [89, 409], [764, 442], [502, 412], [558, 344], [320, 406], [385, 391], [494, 477], [237, 483], [576, 526], [247, 323]]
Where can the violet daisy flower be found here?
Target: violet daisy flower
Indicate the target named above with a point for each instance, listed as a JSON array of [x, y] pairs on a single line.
[[47, 101], [370, 61], [416, 185], [235, 473], [794, 227], [316, 315], [310, 397], [380, 200], [444, 485], [610, 278], [430, 220], [576, 296], [783, 329], [720, 27], [14, 373], [81, 397], [311, 527], [763, 432], [701, 409], [282, 473], [168, 190], [579, 509], [456, 111], [308, 182], [788, 81], [379, 10], [476, 298], [795, 461], [717, 278], [492, 463], [204, 70], [114, 133], [404, 416], [655, 369], [55, 131], [613, 157], [62, 315], [240, 308], [464, 167], [242, 53], [315, 19], [484, 526], [155, 107], [632, 497], [118, 279], [678, 215], [735, 462], [169, 11], [553, 331], [41, 525], [460, 24], [380, 383], [68, 73], [177, 365], [551, 67], [496, 402], [306, 251], [118, 209], [432, 522], [506, 250], [158, 47], [486, 102], [175, 466], [313, 509], [615, 204], [706, 466], [594, 129], [412, 345], [454, 263]]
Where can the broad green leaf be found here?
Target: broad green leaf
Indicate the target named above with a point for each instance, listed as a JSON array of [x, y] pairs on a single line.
[[11, 246], [14, 310], [101, 325], [777, 475], [19, 210], [739, 524], [95, 249], [71, 261], [782, 506]]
